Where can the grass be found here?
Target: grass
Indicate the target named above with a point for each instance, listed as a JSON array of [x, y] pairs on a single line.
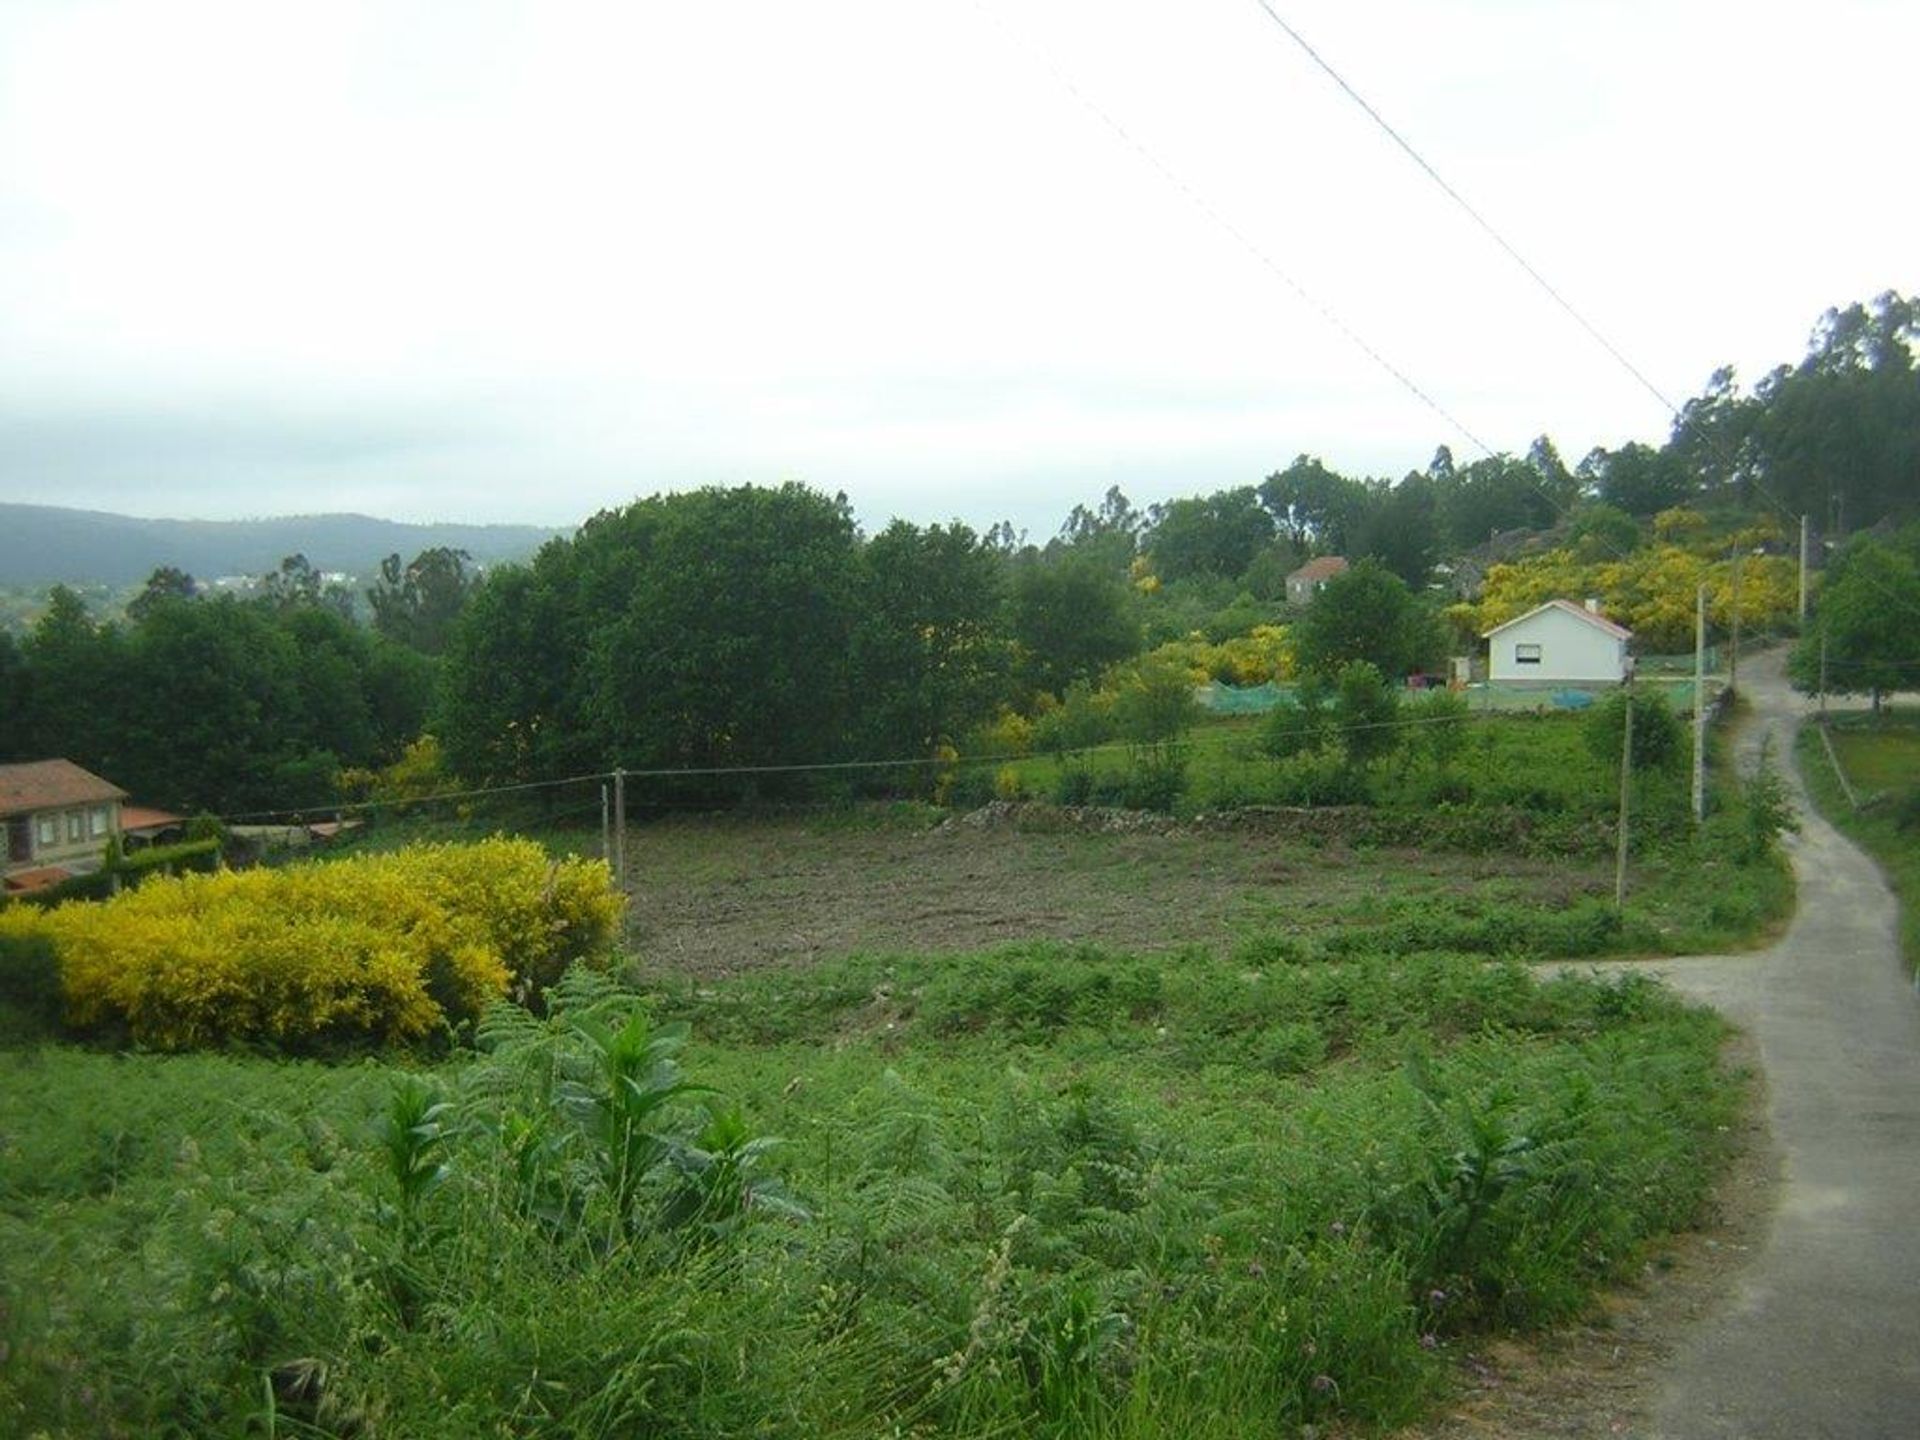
[[1882, 761], [1041, 1190]]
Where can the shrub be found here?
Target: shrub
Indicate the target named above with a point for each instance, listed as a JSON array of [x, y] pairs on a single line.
[[1659, 740], [381, 948]]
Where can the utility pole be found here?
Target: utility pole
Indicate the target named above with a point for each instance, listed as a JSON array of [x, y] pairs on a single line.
[[1733, 647], [620, 829], [1803, 572], [1626, 779], [1823, 673], [1700, 703], [606, 825]]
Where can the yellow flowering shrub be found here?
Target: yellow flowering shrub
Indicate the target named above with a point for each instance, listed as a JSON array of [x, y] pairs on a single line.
[[1650, 591], [377, 947]]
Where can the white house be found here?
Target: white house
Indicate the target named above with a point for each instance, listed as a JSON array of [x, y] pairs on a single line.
[[1558, 643]]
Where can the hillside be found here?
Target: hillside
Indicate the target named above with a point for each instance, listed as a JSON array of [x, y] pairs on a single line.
[[40, 544]]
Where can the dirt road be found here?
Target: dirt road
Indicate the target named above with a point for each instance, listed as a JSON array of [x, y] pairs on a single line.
[[1821, 1336]]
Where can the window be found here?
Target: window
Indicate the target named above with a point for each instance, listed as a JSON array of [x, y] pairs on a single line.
[[97, 821], [1526, 654], [76, 825], [48, 830]]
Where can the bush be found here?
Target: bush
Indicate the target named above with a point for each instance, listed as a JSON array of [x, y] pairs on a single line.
[[1659, 739], [377, 948]]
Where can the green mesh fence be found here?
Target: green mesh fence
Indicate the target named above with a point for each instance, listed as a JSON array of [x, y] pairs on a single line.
[[1218, 699]]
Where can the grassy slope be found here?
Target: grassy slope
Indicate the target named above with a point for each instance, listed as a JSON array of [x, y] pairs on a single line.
[[1054, 1192], [1882, 761]]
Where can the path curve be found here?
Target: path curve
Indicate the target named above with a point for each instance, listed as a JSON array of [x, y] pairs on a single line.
[[1821, 1335]]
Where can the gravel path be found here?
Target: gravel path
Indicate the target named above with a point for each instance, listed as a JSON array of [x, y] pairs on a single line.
[[1821, 1336]]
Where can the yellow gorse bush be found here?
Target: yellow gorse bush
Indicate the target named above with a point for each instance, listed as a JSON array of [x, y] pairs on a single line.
[[378, 947]]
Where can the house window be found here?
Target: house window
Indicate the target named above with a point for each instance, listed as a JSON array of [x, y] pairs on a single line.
[[1526, 654], [97, 821], [76, 825], [48, 830]]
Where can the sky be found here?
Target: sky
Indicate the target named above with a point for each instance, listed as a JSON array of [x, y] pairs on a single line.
[[484, 260]]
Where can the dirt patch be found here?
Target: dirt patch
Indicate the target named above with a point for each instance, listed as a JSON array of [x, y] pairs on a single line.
[[717, 896], [1602, 1377]]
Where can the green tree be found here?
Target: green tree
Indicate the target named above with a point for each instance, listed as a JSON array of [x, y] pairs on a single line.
[[416, 604], [1659, 739], [1637, 479], [1601, 532], [1216, 535], [15, 702], [1300, 726], [1365, 709], [1868, 620], [167, 583], [1399, 527], [931, 652], [1315, 508], [1071, 620], [76, 692], [1442, 717], [1367, 613]]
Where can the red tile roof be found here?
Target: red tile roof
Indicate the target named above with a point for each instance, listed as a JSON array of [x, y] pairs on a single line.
[[49, 784], [139, 817], [40, 879], [1321, 567]]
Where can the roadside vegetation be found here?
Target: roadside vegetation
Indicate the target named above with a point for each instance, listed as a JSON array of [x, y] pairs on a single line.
[[1881, 758], [1043, 1190]]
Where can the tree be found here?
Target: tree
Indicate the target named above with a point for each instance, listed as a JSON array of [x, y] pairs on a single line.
[[1498, 493], [1299, 726], [416, 604], [1366, 613], [296, 583], [1365, 708], [1868, 617], [930, 653], [164, 585], [1658, 736], [76, 686], [1219, 535], [1071, 620], [1637, 479], [1600, 532], [1313, 506], [15, 702], [1398, 527]]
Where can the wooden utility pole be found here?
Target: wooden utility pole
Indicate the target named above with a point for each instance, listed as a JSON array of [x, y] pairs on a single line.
[[1733, 647], [1626, 780], [1700, 703], [620, 829], [606, 825], [1803, 572], [1823, 676]]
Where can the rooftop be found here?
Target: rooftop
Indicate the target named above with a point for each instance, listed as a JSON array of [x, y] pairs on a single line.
[[1579, 612], [49, 784], [1321, 567]]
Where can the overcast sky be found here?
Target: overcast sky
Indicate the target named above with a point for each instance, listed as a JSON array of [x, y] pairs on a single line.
[[490, 260]]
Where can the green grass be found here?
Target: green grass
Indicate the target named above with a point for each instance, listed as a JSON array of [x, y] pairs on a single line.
[[1882, 760], [1047, 1191]]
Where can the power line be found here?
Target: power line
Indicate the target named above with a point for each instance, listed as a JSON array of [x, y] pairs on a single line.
[[1245, 241], [1676, 413], [1473, 214]]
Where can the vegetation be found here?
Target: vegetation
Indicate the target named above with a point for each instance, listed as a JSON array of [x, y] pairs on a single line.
[[1862, 642], [392, 948], [1038, 1191], [1881, 757]]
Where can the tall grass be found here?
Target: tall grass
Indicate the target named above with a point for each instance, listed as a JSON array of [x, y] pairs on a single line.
[[1039, 1192]]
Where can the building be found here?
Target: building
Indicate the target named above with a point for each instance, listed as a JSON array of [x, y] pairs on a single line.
[[1558, 643], [1311, 578], [58, 820]]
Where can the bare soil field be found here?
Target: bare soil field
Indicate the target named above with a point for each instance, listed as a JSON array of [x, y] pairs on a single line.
[[716, 896]]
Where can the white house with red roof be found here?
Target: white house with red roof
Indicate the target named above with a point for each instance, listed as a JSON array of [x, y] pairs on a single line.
[[1558, 643]]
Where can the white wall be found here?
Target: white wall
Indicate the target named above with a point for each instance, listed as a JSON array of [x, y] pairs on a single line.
[[1570, 650]]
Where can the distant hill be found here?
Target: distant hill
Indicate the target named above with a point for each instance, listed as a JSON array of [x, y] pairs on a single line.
[[40, 544]]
